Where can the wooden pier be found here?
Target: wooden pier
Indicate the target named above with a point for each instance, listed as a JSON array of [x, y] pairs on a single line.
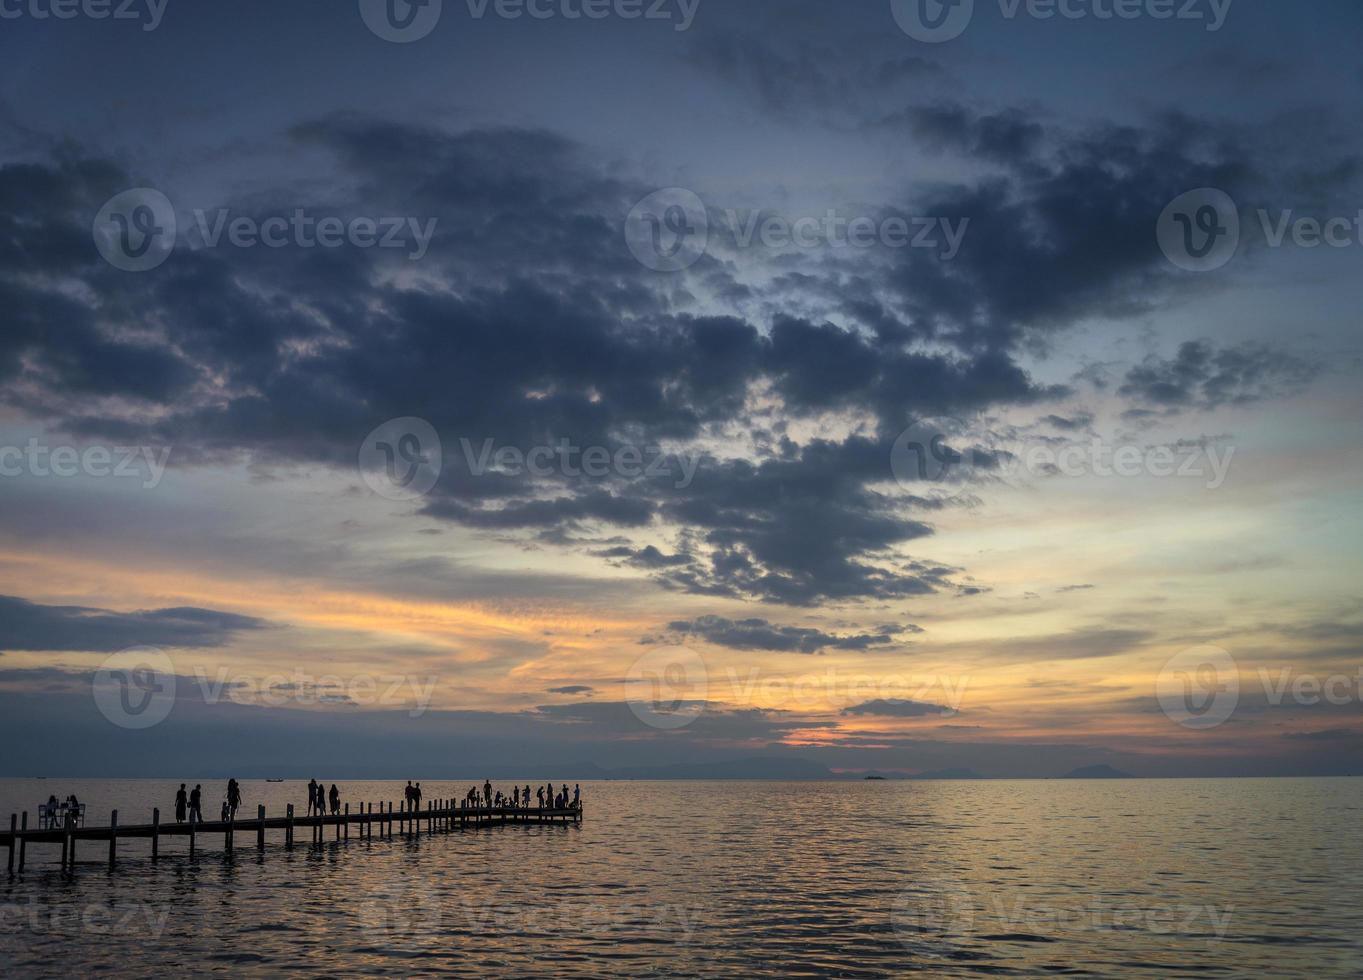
[[370, 821]]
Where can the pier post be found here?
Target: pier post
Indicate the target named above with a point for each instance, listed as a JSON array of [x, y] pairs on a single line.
[[113, 839], [347, 823], [13, 828], [229, 835], [260, 831], [23, 839], [193, 833], [155, 833], [288, 829], [70, 842]]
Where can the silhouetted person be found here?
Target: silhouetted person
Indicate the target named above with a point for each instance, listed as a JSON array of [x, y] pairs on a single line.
[[487, 791], [181, 804], [226, 811], [416, 795], [335, 799], [312, 795], [409, 794], [527, 796], [539, 796], [577, 796], [233, 797], [196, 813]]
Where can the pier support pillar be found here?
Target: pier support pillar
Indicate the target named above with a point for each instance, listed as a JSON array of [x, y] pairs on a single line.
[[23, 839], [288, 829], [155, 833], [260, 831], [13, 830]]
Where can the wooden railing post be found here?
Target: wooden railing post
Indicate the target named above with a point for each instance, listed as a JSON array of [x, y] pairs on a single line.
[[155, 832], [113, 839], [288, 829], [23, 839], [347, 821], [230, 833], [70, 842], [13, 831], [260, 830]]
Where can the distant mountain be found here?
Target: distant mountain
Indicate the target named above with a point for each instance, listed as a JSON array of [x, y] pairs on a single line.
[[948, 774], [737, 769], [1102, 771]]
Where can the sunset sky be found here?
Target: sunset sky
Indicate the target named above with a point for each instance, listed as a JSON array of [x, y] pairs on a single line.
[[819, 597]]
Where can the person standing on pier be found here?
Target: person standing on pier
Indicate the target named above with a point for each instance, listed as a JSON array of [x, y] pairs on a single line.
[[527, 796], [233, 798], [335, 800], [577, 796], [487, 792], [539, 796], [181, 804], [196, 813], [409, 795], [312, 795], [416, 796]]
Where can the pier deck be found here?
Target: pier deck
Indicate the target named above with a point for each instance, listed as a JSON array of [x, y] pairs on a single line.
[[371, 820]]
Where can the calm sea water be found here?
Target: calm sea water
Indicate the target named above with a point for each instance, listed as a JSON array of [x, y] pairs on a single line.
[[1116, 878]]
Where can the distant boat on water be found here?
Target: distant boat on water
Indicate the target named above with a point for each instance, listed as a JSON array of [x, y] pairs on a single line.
[[274, 780]]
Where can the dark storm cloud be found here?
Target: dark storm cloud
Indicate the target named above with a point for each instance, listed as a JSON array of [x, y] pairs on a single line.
[[572, 689], [759, 634], [1203, 376], [899, 708], [292, 355], [28, 626]]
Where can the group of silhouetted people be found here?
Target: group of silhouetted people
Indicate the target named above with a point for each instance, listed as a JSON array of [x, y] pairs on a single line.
[[189, 805], [545, 796], [320, 801]]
